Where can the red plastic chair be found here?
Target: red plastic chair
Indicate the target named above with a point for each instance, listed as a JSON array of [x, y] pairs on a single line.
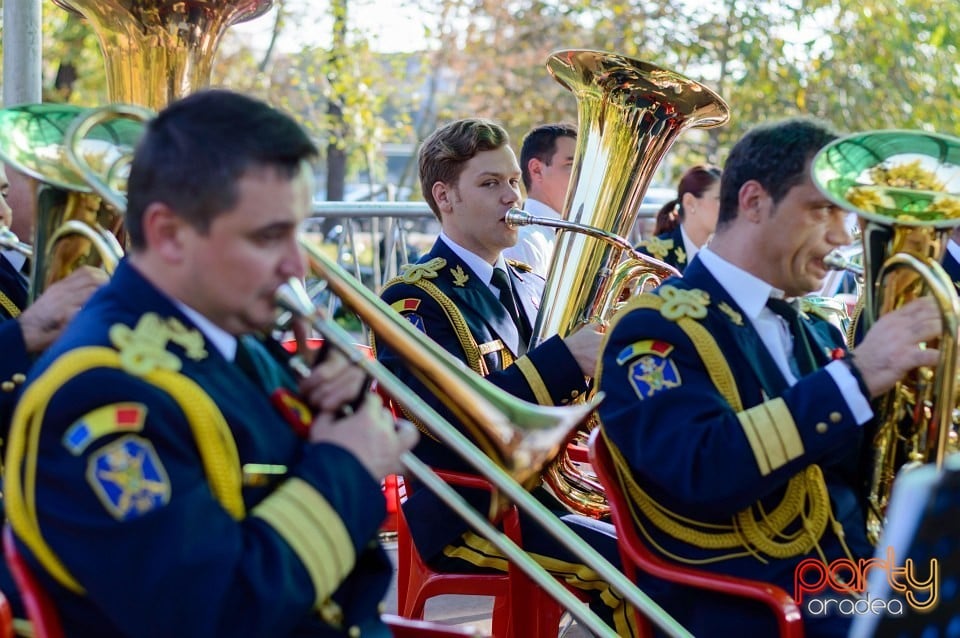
[[521, 608], [635, 555], [40, 610], [409, 628]]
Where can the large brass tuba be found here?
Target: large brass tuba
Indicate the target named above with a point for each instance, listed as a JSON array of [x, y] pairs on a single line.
[[905, 187], [630, 113], [157, 51]]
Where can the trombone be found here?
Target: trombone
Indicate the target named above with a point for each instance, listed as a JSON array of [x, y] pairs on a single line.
[[427, 359]]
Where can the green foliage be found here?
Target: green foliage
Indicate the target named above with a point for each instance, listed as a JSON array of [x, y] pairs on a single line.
[[862, 65]]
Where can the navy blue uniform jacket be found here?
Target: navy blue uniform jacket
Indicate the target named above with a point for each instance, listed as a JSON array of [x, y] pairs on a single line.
[[15, 360], [142, 525], [688, 413], [447, 301]]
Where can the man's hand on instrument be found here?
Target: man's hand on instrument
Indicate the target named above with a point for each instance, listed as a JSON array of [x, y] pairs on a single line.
[[896, 344], [584, 345], [334, 383], [44, 320], [370, 434]]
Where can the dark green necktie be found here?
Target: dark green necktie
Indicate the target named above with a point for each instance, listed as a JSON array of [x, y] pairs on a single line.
[[501, 282], [803, 360], [258, 364]]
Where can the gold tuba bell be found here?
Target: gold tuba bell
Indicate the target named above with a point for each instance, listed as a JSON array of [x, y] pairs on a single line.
[[630, 112], [905, 188]]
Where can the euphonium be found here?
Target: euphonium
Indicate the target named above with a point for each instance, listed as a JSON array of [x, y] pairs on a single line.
[[630, 113], [72, 227], [902, 185]]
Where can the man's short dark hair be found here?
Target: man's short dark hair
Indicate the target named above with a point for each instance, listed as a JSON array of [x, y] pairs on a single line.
[[775, 155], [445, 152], [194, 152], [541, 142]]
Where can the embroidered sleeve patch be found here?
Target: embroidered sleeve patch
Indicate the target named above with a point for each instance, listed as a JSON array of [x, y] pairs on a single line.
[[651, 369], [128, 478], [116, 417], [417, 322]]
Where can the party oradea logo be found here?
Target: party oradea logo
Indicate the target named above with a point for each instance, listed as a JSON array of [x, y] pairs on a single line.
[[841, 586]]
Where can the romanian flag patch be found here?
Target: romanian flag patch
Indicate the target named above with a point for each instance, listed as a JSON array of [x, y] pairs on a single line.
[[116, 417], [651, 369], [408, 307], [128, 478]]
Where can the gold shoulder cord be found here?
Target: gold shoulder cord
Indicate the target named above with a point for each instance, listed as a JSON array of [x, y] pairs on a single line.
[[214, 441], [751, 531], [474, 359], [9, 306]]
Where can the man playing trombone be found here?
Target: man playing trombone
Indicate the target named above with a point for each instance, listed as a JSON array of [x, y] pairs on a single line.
[[480, 307], [162, 476], [736, 420]]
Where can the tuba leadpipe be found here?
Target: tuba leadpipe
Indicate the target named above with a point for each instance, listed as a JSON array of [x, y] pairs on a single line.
[[407, 340], [896, 182]]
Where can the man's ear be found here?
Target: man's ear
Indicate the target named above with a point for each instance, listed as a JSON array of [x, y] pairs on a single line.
[[535, 169], [163, 232], [753, 201], [443, 195]]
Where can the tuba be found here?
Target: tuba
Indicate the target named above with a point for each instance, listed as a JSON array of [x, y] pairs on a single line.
[[72, 228], [905, 188], [155, 51], [630, 113]]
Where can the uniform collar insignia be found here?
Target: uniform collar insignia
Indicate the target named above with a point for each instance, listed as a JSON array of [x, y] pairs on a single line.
[[735, 316], [144, 348], [658, 247], [460, 278], [680, 302], [412, 273], [681, 255]]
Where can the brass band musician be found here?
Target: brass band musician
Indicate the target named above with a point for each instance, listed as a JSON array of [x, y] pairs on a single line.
[[176, 485], [470, 178], [737, 420]]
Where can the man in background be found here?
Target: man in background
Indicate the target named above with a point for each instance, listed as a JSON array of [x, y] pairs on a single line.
[[546, 161]]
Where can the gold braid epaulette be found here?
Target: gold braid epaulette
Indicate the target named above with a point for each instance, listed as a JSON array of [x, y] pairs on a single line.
[[752, 531], [470, 347], [9, 306]]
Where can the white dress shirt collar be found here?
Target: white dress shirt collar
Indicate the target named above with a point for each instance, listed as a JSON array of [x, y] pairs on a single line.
[[223, 341], [748, 291], [688, 246]]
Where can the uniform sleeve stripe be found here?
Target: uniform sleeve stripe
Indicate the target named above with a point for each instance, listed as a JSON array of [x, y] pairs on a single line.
[[753, 437], [534, 380], [772, 434], [312, 528]]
